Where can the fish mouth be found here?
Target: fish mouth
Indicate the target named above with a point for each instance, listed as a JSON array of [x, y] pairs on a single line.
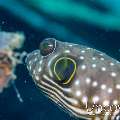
[[32, 59]]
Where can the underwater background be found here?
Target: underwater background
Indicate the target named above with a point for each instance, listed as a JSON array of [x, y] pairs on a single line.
[[37, 19]]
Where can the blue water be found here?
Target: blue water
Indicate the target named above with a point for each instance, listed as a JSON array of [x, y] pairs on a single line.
[[36, 106]]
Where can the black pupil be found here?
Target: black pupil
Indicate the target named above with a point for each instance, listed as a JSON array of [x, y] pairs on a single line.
[[64, 69], [47, 46]]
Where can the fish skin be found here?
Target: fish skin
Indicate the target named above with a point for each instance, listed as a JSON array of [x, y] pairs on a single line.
[[96, 81]]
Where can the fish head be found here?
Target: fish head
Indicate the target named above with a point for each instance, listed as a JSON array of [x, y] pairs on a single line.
[[76, 77], [54, 60], [53, 67]]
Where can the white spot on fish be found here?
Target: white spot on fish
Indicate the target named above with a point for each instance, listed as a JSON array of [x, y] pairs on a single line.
[[112, 64], [94, 65], [113, 74], [93, 58], [88, 48], [94, 84], [103, 86], [34, 71], [67, 90], [115, 102], [77, 82], [35, 53], [95, 99], [101, 54], [82, 57], [30, 62], [118, 86], [78, 93], [67, 51], [39, 70], [88, 80], [35, 59], [83, 67], [102, 59], [70, 45], [110, 90], [40, 62], [85, 99], [83, 51], [103, 69], [106, 102], [30, 67], [37, 77]]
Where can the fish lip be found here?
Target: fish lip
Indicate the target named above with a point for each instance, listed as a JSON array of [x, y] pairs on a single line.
[[30, 55]]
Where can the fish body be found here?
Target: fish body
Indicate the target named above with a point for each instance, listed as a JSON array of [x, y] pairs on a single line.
[[83, 81]]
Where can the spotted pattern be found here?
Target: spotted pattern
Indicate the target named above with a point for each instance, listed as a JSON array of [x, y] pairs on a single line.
[[96, 81]]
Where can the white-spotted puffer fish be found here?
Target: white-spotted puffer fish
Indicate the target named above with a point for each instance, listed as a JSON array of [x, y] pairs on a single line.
[[83, 81]]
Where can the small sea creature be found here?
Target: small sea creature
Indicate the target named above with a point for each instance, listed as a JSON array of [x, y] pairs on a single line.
[[9, 58], [83, 81]]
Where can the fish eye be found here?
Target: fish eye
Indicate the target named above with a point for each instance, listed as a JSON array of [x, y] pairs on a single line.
[[47, 46], [64, 69]]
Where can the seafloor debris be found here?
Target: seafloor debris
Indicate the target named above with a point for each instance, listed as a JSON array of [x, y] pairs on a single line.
[[9, 58]]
